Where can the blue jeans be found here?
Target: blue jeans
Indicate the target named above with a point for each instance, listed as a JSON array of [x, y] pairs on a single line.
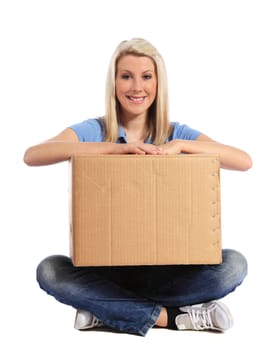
[[129, 299]]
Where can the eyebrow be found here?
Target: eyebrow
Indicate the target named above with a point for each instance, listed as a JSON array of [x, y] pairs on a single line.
[[129, 71]]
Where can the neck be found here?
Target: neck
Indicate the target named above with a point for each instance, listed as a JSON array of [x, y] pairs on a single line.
[[135, 128]]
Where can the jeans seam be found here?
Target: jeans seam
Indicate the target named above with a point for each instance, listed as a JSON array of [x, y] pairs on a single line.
[[151, 322]]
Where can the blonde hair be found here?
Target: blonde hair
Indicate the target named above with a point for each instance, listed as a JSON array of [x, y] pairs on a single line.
[[158, 122]]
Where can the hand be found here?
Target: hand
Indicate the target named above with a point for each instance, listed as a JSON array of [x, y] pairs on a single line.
[[172, 147], [140, 148]]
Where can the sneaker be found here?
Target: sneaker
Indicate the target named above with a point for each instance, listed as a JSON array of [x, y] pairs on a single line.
[[86, 320], [209, 316]]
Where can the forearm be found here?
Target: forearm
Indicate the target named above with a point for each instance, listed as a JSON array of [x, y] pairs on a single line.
[[230, 157], [57, 151]]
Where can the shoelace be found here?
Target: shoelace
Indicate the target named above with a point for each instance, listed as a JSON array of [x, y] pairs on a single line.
[[201, 318]]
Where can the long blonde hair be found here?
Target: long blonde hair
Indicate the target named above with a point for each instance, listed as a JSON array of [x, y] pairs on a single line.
[[158, 122]]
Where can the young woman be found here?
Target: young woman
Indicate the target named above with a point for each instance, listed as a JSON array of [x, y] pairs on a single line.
[[134, 299]]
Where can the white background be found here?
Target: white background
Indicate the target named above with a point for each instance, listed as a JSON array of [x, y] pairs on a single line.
[[54, 55]]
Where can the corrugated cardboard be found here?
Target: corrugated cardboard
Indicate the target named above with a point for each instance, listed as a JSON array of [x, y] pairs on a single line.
[[145, 210]]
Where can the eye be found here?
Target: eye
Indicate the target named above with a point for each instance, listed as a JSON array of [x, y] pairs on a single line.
[[147, 76], [125, 76]]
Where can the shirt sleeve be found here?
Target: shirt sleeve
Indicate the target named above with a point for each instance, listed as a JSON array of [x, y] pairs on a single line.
[[184, 132], [90, 130]]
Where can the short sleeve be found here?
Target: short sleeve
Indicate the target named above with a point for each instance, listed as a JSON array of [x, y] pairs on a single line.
[[90, 130], [184, 132]]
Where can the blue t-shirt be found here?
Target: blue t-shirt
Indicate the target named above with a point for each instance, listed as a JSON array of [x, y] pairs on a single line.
[[92, 130]]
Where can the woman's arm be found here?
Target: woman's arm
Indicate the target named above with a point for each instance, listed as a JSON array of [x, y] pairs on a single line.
[[66, 144], [230, 157]]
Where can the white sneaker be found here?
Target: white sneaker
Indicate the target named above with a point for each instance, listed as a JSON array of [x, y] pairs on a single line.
[[86, 320], [209, 316]]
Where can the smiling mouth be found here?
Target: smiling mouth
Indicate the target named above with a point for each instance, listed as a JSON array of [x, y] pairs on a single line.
[[136, 99]]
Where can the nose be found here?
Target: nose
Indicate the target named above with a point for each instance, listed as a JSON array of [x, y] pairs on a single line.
[[137, 85]]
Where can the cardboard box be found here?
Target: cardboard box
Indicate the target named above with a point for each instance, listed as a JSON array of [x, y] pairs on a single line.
[[145, 210]]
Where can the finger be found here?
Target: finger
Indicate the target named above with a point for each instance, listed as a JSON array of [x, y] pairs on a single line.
[[151, 149], [160, 150], [139, 151]]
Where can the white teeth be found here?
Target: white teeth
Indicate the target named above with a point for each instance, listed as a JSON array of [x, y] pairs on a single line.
[[136, 99]]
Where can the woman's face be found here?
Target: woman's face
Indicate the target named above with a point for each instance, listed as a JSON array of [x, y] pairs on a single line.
[[136, 85]]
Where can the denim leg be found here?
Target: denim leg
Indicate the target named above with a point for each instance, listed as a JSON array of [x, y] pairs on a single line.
[[89, 288], [194, 284], [129, 299]]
